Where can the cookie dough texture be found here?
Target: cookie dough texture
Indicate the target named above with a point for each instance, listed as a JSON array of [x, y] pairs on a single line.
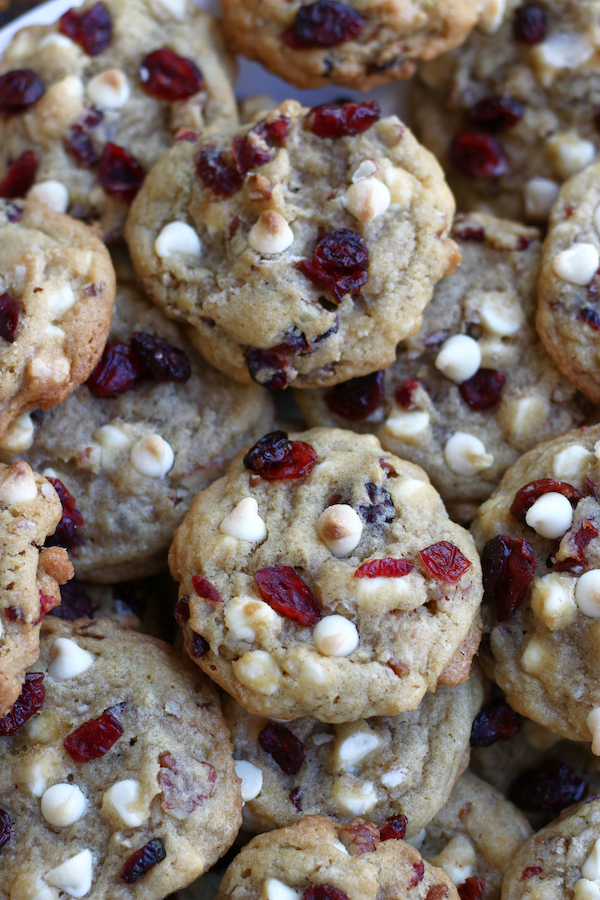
[[87, 443], [316, 851], [29, 576], [239, 300], [174, 748], [556, 83], [407, 628], [491, 299], [130, 118], [63, 282], [545, 655]]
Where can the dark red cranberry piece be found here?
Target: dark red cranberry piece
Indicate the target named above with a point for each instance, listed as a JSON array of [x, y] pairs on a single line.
[[384, 568], [94, 738], [121, 175], [28, 703], [357, 398], [275, 458], [160, 359], [91, 29], [471, 889], [418, 874], [205, 589], [478, 155], [340, 263], [476, 235], [405, 391], [508, 569], [168, 76], [530, 24], [19, 90], [216, 169], [48, 602], [325, 23], [334, 120], [285, 748], [75, 602], [381, 508], [444, 561], [388, 468], [526, 497], [496, 113], [249, 153], [143, 860], [482, 390], [5, 827], [296, 798], [116, 372], [323, 892], [589, 317], [9, 318], [438, 892], [285, 592], [579, 541], [20, 176], [79, 146], [394, 828], [294, 342], [268, 368], [530, 872], [182, 612], [551, 787], [496, 722], [67, 532], [198, 646]]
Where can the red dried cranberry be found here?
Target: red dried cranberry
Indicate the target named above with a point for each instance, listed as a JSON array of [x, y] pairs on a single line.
[[143, 860], [168, 76], [94, 738], [198, 646], [9, 318], [19, 90], [405, 391], [217, 171], [91, 29], [361, 835], [508, 569], [496, 722], [529, 493], [357, 398], [388, 468], [79, 146], [496, 113], [438, 892], [530, 872], [48, 602], [66, 534], [394, 828], [471, 889], [482, 390], [285, 748], [161, 360], [182, 611], [28, 703], [116, 372], [579, 541], [296, 798], [121, 175], [285, 592], [340, 263], [275, 458], [334, 120], [325, 23], [384, 568], [268, 368], [380, 509], [323, 892], [75, 602], [205, 589], [476, 235], [589, 317], [530, 24], [5, 827], [19, 176], [294, 342], [478, 155], [551, 787], [445, 561], [418, 874]]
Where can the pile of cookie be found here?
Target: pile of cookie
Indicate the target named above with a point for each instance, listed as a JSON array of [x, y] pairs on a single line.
[[323, 648]]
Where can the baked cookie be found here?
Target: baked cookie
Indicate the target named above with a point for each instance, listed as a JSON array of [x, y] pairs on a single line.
[[87, 105], [514, 114], [474, 388], [130, 449], [57, 291], [29, 576], [316, 858], [539, 535], [299, 249], [322, 577], [122, 775]]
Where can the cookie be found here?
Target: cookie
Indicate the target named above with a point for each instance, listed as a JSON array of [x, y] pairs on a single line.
[[474, 388], [316, 858], [539, 538], [299, 249], [57, 291], [29, 576], [275, 564], [122, 775], [512, 115], [88, 105]]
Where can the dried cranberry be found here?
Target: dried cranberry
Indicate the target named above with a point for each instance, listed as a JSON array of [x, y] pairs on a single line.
[[285, 748], [143, 860], [589, 317], [381, 508], [268, 368], [359, 837], [116, 372], [384, 568], [75, 602], [497, 113], [471, 889], [91, 29], [334, 120], [508, 569], [530, 24], [94, 738], [388, 468], [340, 263], [79, 146], [476, 235], [394, 828], [275, 458], [48, 602], [9, 318], [438, 892], [5, 827], [418, 874], [551, 787], [530, 872], [19, 90], [296, 798], [444, 561], [294, 342], [478, 155], [19, 176], [482, 390], [182, 611], [121, 175], [579, 542], [67, 531], [529, 493], [198, 646], [168, 76], [216, 169], [357, 398], [323, 892], [28, 703], [285, 592], [205, 589], [160, 359], [325, 23], [405, 391], [496, 722]]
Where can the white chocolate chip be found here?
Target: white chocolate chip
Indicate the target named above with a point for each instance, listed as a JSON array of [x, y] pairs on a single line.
[[394, 777], [244, 522], [313, 671], [586, 890], [465, 454], [109, 90], [591, 867], [456, 859], [593, 723], [54, 332], [53, 369], [459, 358], [587, 593], [366, 168], [491, 16], [37, 780], [553, 600], [409, 426], [57, 40], [17, 484], [123, 799], [367, 199], [52, 194], [60, 301], [320, 739], [273, 889], [152, 456], [46, 893], [566, 50], [63, 804], [357, 798], [258, 671], [340, 529], [578, 264], [244, 615], [550, 516], [536, 658], [251, 777], [569, 153], [418, 840], [19, 435], [178, 237], [176, 8], [540, 195], [501, 314], [354, 748], [335, 636], [68, 659], [271, 233], [571, 460], [400, 184], [73, 876], [112, 440]]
